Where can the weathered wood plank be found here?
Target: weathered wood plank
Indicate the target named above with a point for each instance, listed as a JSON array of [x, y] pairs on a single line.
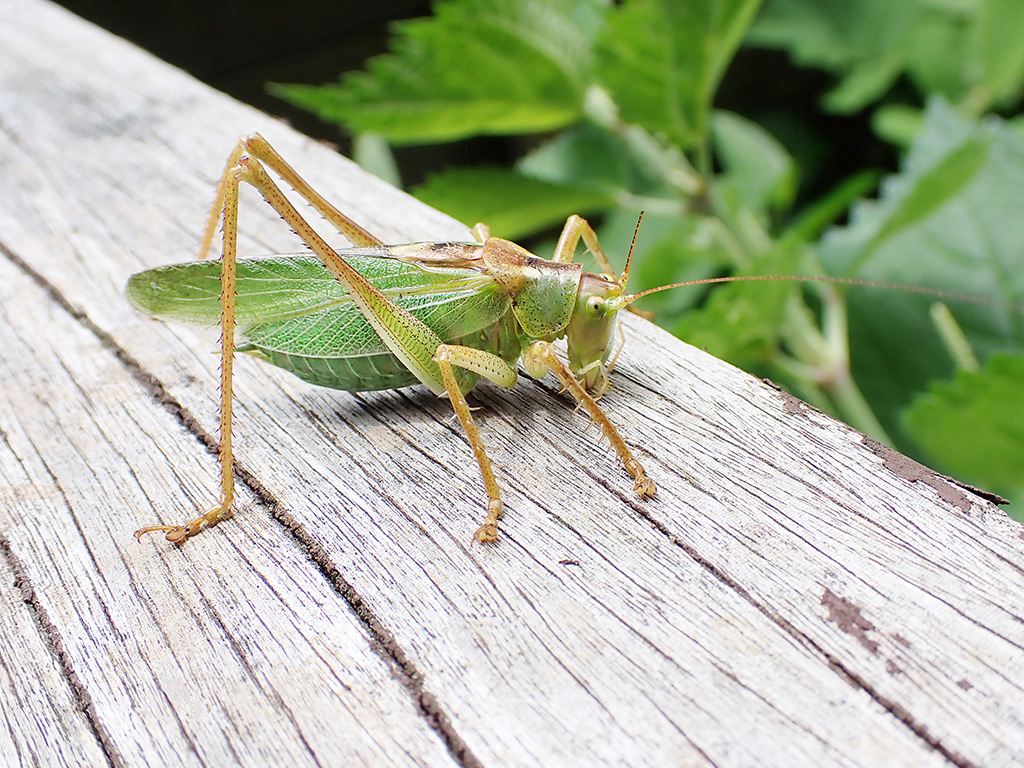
[[244, 656], [786, 599], [35, 691]]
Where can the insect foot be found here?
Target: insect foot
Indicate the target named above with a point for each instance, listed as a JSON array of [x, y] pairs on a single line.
[[488, 532], [178, 533], [642, 484], [175, 533]]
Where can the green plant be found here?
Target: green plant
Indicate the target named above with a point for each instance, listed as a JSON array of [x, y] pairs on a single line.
[[889, 56], [622, 100]]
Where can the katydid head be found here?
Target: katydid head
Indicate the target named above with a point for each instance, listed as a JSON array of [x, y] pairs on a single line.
[[589, 333]]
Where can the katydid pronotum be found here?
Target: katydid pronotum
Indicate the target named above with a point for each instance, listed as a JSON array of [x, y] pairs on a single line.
[[379, 316]]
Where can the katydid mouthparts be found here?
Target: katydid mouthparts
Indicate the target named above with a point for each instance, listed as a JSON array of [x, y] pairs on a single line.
[[379, 316]]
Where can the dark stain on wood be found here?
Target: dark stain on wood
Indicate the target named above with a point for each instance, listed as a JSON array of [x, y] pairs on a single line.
[[847, 616]]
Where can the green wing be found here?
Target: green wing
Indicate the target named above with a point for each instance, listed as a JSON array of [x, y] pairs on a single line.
[[294, 314]]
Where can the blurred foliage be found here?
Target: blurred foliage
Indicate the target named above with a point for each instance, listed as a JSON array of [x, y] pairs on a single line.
[[618, 102], [970, 52]]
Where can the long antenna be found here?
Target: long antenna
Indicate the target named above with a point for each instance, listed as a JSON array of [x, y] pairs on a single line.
[[625, 301], [937, 292], [624, 277]]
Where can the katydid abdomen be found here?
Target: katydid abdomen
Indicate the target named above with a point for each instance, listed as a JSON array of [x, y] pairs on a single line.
[[294, 314]]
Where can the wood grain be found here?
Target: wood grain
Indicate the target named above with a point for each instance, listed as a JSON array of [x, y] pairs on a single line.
[[792, 596]]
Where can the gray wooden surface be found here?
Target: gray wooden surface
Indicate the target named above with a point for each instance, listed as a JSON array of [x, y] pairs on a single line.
[[793, 596]]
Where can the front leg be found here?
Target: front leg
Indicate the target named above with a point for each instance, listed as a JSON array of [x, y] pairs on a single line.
[[575, 228], [539, 358]]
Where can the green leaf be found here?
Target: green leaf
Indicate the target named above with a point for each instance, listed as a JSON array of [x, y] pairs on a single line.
[[935, 51], [585, 155], [897, 123], [756, 167], [947, 47], [742, 321], [475, 67], [934, 189], [835, 35], [1001, 47], [865, 82], [828, 208], [973, 426], [374, 155], [662, 61], [511, 204], [950, 220], [628, 164]]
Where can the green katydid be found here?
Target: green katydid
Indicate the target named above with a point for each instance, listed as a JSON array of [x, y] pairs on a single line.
[[382, 316]]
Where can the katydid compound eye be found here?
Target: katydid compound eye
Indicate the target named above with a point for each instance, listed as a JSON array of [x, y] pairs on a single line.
[[596, 306]]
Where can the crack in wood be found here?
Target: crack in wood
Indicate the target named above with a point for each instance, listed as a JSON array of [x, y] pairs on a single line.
[[52, 640]]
